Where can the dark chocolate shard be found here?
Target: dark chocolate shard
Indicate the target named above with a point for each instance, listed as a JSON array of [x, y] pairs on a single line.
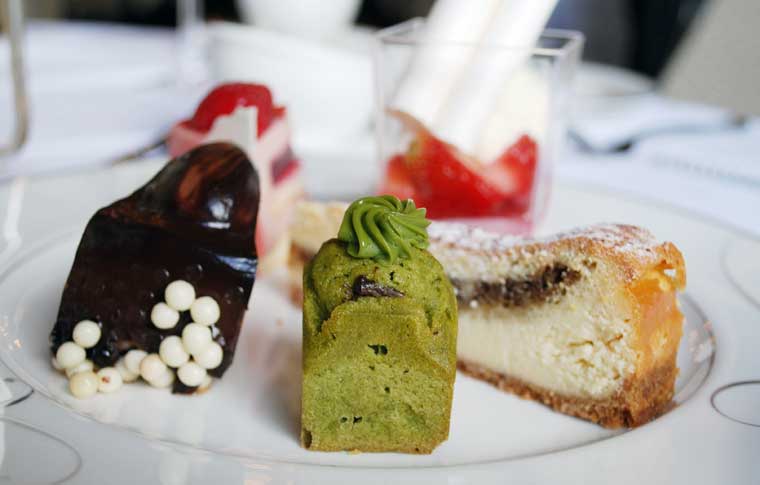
[[195, 220], [364, 286], [180, 388]]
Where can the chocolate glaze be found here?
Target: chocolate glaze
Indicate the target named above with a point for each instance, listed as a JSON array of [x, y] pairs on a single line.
[[180, 388], [546, 283], [195, 220]]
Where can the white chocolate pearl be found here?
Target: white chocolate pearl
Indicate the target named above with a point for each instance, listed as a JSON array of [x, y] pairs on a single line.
[[56, 365], [152, 367], [210, 357], [206, 384], [163, 316], [70, 355], [179, 295], [84, 366], [165, 379], [195, 337], [191, 374], [205, 310], [86, 334], [133, 359], [126, 374], [109, 380], [172, 352], [84, 384]]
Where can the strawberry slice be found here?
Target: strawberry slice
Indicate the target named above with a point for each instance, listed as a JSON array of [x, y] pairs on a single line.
[[397, 180], [445, 185], [225, 98], [450, 184], [519, 160]]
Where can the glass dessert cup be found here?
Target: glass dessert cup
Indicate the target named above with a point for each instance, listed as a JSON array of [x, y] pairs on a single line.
[[471, 131]]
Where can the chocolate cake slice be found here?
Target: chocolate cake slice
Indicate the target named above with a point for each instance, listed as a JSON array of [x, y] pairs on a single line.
[[193, 222]]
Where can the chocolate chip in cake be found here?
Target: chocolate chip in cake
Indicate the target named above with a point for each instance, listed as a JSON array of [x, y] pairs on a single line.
[[364, 286], [550, 281]]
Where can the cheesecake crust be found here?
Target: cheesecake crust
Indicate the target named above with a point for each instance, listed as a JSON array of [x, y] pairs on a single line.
[[640, 400]]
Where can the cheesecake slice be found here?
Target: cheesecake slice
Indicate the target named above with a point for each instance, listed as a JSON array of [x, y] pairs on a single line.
[[585, 322]]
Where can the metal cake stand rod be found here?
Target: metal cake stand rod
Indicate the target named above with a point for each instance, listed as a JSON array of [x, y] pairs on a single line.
[[12, 19]]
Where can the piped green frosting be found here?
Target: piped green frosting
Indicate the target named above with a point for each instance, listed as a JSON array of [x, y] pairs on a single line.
[[383, 228]]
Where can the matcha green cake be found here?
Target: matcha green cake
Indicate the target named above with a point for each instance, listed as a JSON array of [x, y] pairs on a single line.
[[379, 335]]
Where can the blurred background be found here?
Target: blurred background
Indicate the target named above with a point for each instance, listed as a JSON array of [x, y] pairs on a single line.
[[641, 35], [637, 34], [699, 50], [115, 75]]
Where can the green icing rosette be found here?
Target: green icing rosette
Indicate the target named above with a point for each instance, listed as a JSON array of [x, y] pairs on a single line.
[[383, 228]]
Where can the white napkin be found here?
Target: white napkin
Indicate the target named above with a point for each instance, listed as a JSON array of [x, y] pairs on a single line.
[[716, 175], [729, 203], [732, 155], [614, 121]]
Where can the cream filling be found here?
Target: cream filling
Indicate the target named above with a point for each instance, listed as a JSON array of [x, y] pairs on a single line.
[[276, 214], [577, 347]]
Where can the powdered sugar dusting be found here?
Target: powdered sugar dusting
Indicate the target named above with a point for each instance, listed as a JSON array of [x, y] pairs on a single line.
[[632, 240], [466, 237], [472, 253]]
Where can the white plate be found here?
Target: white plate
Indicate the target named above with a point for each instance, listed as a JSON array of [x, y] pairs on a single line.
[[246, 427], [260, 394]]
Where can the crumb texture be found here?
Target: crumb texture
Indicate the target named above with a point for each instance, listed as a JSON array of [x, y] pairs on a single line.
[[379, 353]]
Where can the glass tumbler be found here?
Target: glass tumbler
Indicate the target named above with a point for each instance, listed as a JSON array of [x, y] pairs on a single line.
[[470, 131]]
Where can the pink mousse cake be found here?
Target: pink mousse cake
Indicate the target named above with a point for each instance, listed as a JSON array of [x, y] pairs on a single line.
[[246, 115]]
